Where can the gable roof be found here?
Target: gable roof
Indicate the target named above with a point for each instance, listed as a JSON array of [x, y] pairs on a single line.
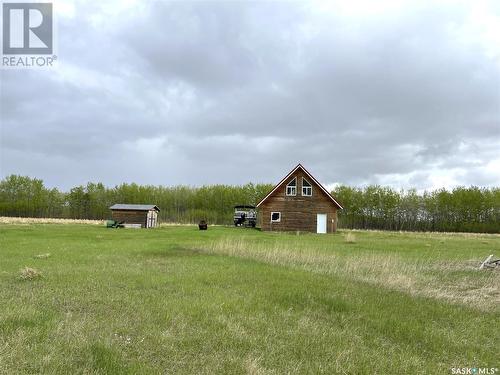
[[135, 207], [299, 166]]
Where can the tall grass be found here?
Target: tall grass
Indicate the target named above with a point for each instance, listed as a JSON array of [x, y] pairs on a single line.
[[457, 281]]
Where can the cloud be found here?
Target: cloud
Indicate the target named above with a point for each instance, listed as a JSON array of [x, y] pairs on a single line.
[[230, 92]]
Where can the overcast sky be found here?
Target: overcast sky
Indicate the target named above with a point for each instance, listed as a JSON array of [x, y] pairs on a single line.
[[405, 94]]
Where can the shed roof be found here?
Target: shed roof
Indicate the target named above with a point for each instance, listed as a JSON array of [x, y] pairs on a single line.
[[135, 207]]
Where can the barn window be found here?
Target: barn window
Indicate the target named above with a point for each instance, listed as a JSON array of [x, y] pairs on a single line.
[[275, 217], [307, 189], [291, 187]]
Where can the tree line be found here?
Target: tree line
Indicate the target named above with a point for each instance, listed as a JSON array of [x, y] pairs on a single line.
[[463, 209], [28, 197]]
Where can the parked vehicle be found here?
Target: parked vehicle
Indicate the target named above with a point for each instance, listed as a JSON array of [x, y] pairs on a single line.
[[245, 216], [202, 225]]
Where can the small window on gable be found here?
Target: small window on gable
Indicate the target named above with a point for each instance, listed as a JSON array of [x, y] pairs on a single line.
[[307, 189], [291, 187], [275, 217]]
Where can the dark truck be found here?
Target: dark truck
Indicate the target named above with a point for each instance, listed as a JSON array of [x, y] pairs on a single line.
[[245, 216]]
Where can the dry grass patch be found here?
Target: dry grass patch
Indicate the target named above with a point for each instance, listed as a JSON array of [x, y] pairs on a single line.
[[431, 234], [33, 220], [28, 273], [350, 238], [169, 225], [253, 367], [42, 256]]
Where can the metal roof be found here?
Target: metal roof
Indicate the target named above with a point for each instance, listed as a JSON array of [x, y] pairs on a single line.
[[135, 207]]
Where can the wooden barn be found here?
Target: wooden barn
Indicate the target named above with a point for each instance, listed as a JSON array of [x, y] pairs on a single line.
[[145, 215], [299, 203]]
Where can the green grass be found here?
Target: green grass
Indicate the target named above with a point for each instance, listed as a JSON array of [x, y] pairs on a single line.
[[232, 300]]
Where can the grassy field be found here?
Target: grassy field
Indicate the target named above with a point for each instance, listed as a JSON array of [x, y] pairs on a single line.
[[232, 300]]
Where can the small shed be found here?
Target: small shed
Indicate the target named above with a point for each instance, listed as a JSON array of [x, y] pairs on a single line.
[[145, 215]]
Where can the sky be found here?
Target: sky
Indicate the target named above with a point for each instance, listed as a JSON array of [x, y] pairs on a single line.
[[398, 93]]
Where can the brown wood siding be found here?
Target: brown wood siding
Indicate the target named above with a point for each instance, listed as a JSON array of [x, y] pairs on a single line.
[[130, 216], [298, 213]]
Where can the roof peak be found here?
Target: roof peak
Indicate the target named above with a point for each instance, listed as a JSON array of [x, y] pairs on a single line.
[[310, 176]]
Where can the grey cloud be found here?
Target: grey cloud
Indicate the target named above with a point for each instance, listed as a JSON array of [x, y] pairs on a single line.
[[243, 91]]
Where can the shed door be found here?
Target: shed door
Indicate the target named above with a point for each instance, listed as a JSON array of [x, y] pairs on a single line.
[[151, 219], [321, 223]]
